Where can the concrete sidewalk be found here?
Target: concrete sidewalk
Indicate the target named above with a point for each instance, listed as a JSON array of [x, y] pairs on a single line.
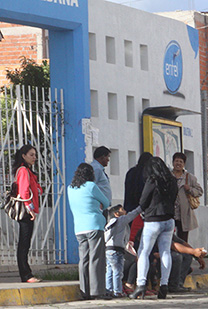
[[15, 293]]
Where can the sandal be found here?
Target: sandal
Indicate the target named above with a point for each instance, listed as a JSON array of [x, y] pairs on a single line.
[[34, 280], [127, 290]]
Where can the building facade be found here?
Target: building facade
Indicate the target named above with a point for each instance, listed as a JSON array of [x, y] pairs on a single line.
[[138, 61], [127, 76]]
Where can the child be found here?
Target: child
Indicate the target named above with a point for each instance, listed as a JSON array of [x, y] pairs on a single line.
[[117, 233]]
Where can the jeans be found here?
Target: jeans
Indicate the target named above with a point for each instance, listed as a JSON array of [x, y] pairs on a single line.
[[161, 232], [92, 263], [114, 272], [25, 235], [181, 263]]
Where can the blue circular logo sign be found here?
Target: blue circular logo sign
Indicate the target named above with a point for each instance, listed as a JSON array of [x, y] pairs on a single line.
[[173, 67]]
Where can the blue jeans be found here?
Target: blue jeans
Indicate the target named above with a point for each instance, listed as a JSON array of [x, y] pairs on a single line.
[[161, 232], [114, 272]]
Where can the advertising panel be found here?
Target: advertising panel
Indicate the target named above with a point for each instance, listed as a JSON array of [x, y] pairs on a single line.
[[162, 137]]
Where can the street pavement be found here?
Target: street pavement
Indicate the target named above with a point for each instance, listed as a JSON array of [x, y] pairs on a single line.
[[192, 300], [65, 294]]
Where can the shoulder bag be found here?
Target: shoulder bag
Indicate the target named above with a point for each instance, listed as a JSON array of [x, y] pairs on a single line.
[[193, 201], [13, 205]]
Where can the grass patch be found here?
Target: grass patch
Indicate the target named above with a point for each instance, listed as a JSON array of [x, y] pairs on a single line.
[[59, 275]]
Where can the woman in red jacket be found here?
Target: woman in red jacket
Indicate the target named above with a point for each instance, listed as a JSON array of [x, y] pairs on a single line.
[[26, 182]]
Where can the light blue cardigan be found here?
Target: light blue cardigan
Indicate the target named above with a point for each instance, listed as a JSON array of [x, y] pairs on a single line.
[[85, 206]]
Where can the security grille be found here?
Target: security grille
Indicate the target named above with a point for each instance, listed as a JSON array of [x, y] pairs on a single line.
[[29, 115]]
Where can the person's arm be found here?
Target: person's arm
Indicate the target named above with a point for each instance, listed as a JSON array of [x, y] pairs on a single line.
[[98, 174], [23, 182], [100, 197], [147, 193], [186, 248], [130, 216], [193, 187]]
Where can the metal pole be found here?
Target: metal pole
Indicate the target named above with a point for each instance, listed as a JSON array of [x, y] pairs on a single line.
[[19, 116], [204, 106]]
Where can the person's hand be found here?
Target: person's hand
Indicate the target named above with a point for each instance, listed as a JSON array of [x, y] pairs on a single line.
[[186, 187], [198, 252], [33, 215], [131, 243], [204, 253], [201, 263]]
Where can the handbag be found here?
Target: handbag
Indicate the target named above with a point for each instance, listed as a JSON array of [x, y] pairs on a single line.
[[193, 201], [13, 204]]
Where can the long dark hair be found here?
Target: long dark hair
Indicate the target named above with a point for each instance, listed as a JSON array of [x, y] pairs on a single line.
[[83, 174], [157, 170], [139, 176], [18, 159]]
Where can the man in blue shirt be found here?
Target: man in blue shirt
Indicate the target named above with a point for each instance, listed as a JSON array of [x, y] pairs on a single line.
[[101, 159]]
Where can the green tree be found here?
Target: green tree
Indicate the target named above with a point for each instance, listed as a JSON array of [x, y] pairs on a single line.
[[30, 73]]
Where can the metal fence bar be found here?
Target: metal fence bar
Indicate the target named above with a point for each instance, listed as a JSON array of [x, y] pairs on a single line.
[[30, 118]]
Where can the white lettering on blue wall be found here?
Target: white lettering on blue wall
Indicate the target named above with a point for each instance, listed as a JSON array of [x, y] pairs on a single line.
[[171, 69], [187, 131], [65, 2]]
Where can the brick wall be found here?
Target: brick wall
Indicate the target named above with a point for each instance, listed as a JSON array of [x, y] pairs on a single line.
[[18, 41], [201, 23]]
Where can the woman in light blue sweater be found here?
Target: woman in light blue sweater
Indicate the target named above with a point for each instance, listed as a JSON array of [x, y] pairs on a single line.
[[86, 203]]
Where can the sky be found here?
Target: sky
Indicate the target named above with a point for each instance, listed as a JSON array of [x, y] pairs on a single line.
[[165, 5]]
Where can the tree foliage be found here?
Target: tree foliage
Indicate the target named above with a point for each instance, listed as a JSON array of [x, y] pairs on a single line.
[[30, 73]]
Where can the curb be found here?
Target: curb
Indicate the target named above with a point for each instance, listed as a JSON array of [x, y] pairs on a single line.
[[39, 295], [61, 292], [196, 281]]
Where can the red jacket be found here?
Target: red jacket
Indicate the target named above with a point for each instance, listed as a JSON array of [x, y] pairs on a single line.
[[24, 182], [136, 225]]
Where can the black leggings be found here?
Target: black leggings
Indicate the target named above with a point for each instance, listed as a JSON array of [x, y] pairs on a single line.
[[25, 235]]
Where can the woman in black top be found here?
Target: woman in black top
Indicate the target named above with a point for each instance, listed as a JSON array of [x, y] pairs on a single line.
[[157, 202]]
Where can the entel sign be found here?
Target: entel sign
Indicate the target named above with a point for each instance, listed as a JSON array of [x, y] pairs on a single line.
[[65, 2], [173, 67]]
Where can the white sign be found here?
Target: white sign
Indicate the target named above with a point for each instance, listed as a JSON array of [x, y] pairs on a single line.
[[65, 2]]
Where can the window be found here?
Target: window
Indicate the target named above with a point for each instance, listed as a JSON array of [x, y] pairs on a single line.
[[112, 106], [114, 162], [92, 46], [189, 161], [94, 103], [110, 50], [130, 108], [144, 57], [145, 104], [131, 158], [128, 53]]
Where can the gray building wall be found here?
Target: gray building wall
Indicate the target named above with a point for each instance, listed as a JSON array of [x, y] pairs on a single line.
[[127, 49]]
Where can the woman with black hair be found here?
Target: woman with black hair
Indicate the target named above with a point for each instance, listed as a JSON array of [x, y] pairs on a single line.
[[86, 202], [157, 202], [26, 181]]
